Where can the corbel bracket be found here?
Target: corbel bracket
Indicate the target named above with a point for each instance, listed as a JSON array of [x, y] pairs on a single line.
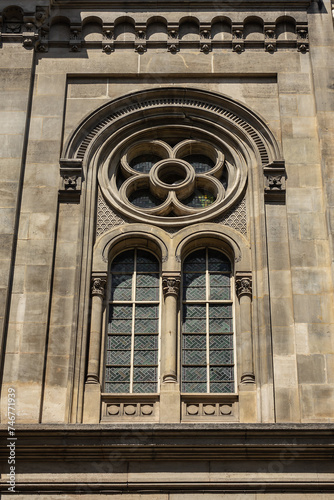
[[275, 181], [70, 179]]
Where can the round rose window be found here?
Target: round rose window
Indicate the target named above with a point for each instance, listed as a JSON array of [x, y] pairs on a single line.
[[170, 181]]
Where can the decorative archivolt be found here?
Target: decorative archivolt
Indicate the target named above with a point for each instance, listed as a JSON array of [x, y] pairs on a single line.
[[174, 156]]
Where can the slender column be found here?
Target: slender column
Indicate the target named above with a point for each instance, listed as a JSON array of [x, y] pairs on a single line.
[[98, 290], [244, 293], [171, 286]]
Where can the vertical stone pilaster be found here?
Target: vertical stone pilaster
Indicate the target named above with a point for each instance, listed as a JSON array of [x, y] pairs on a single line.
[[170, 404], [171, 287], [92, 397], [98, 292], [244, 293]]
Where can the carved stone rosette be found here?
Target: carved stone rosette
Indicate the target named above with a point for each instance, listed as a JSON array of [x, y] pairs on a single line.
[[171, 285]]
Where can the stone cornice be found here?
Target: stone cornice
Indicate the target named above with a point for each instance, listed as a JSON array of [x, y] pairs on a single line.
[[171, 442], [186, 4]]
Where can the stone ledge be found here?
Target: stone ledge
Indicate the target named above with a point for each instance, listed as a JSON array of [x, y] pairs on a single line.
[[172, 442]]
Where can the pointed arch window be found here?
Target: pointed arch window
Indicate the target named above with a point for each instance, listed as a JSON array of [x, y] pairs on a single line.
[[133, 335], [207, 324]]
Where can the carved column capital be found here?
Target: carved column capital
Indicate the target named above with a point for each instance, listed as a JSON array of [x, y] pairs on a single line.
[[171, 284], [98, 285], [274, 181], [70, 179], [243, 285]]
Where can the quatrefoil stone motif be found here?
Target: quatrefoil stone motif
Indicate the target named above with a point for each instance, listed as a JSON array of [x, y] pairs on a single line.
[[172, 181]]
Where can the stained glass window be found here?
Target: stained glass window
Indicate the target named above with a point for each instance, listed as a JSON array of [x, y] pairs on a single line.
[[207, 325], [132, 349]]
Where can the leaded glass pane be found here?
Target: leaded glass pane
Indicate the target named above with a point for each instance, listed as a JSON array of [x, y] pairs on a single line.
[[117, 387], [120, 311], [122, 358], [201, 163], [146, 262], [144, 198], [220, 287], [144, 163], [123, 263], [223, 387], [121, 287], [144, 374], [207, 278], [144, 388], [194, 373], [218, 261], [117, 374], [194, 341], [194, 357], [194, 325], [221, 342], [120, 326], [145, 357], [141, 341], [221, 373], [147, 287], [194, 287], [121, 342], [200, 198], [220, 325], [146, 342], [195, 262], [221, 357], [221, 311], [191, 387]]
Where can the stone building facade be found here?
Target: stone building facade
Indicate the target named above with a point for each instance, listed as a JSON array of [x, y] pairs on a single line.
[[166, 228]]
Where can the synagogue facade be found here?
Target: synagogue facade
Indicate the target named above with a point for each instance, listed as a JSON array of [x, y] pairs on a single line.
[[167, 247]]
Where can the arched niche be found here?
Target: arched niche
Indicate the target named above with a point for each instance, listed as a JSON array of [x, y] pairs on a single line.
[[221, 29], [157, 29], [125, 29], [92, 29], [253, 29], [189, 29], [286, 28], [60, 29]]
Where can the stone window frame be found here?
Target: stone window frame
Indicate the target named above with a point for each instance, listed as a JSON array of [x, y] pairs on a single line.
[[252, 139]]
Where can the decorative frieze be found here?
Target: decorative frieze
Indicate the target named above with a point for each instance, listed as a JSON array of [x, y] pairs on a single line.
[[130, 408], [32, 30], [274, 182], [209, 408]]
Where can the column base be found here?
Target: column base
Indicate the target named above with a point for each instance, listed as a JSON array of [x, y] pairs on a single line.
[[170, 403], [247, 403], [92, 403]]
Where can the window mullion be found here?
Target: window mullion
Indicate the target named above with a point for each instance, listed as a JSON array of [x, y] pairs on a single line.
[[134, 281], [207, 297]]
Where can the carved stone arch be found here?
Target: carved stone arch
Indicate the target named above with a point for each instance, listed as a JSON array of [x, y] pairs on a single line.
[[118, 239], [142, 105], [233, 243]]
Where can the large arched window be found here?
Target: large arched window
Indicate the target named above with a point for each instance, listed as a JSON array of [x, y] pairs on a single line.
[[132, 349], [207, 324]]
